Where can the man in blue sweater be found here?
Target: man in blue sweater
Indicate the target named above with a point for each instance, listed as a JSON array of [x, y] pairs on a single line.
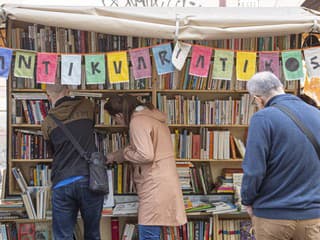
[[281, 182]]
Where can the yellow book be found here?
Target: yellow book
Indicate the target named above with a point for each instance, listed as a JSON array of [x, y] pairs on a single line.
[[120, 171]]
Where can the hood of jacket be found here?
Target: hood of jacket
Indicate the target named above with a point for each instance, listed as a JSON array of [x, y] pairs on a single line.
[[154, 113], [65, 107]]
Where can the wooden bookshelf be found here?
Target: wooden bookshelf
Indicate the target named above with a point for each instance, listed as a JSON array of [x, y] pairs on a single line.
[[154, 89]]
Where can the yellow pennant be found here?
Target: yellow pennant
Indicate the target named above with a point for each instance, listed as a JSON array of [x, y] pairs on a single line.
[[246, 65], [118, 67]]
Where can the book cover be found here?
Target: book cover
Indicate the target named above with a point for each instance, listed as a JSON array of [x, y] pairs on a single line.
[[43, 231], [115, 229], [246, 230], [26, 231]]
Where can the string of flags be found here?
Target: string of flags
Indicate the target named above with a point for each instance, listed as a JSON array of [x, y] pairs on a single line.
[[116, 64]]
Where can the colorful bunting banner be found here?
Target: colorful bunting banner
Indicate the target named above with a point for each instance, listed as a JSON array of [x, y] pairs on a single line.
[[223, 64], [118, 67], [24, 64], [141, 63], [269, 61], [246, 65], [95, 69], [180, 54], [46, 67], [5, 62], [312, 61], [162, 55], [200, 61], [292, 65], [71, 69]]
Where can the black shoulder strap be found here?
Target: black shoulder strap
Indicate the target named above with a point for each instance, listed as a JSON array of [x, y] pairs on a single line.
[[302, 127], [69, 135]]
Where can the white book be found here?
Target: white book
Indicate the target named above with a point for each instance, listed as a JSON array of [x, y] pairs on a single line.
[[126, 208]]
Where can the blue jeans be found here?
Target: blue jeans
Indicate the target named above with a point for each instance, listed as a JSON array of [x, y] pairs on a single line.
[[66, 203], [149, 232]]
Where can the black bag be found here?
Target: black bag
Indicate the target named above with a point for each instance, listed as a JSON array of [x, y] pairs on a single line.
[[98, 178]]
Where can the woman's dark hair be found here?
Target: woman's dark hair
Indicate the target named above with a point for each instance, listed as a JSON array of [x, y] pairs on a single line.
[[124, 104], [308, 100]]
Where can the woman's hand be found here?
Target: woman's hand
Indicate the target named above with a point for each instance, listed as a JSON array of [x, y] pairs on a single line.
[[115, 157]]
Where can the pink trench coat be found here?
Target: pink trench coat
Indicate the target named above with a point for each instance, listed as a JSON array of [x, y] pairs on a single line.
[[155, 175]]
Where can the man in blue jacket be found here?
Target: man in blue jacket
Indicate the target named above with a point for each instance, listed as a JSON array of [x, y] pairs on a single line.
[[281, 182]]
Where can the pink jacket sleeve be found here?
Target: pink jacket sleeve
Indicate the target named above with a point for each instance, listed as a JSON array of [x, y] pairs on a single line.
[[140, 149]]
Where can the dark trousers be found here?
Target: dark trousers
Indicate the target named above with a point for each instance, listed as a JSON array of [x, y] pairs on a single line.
[[149, 232], [66, 203]]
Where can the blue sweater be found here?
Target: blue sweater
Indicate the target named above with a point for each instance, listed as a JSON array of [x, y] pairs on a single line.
[[281, 167]]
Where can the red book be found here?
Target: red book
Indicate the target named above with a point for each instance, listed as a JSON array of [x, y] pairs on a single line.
[[26, 231], [115, 229], [196, 146]]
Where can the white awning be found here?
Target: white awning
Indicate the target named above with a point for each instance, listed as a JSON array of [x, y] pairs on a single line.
[[194, 23]]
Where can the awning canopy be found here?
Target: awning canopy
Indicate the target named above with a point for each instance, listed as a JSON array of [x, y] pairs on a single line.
[[184, 23]]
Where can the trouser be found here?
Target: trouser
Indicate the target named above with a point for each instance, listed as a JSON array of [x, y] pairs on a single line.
[[66, 203], [149, 232], [274, 229]]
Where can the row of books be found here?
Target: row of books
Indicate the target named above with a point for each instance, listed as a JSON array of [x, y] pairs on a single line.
[[38, 176], [195, 178], [229, 180], [274, 43], [233, 229], [30, 83], [36, 199], [30, 231], [188, 144], [181, 109], [29, 144], [31, 111], [55, 39], [207, 145]]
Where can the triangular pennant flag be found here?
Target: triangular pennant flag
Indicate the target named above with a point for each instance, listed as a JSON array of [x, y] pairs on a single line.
[[162, 55], [118, 67], [292, 65], [180, 54], [95, 69], [24, 64], [312, 60], [5, 62], [71, 69], [312, 88], [46, 67], [223, 64], [200, 61], [141, 63], [246, 65], [269, 61]]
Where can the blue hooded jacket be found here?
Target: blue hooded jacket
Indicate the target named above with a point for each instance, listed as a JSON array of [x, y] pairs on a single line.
[[281, 167]]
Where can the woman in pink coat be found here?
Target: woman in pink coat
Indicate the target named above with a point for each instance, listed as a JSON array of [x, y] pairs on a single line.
[[152, 155]]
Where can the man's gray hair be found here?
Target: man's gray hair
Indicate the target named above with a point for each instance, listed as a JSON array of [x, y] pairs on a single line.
[[264, 84]]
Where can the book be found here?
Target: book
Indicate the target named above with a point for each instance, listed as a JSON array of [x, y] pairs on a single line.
[[43, 231], [26, 231], [222, 207], [246, 230], [126, 208], [115, 231], [20, 179]]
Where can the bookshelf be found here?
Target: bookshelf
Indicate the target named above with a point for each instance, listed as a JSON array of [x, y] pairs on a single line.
[[208, 118]]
